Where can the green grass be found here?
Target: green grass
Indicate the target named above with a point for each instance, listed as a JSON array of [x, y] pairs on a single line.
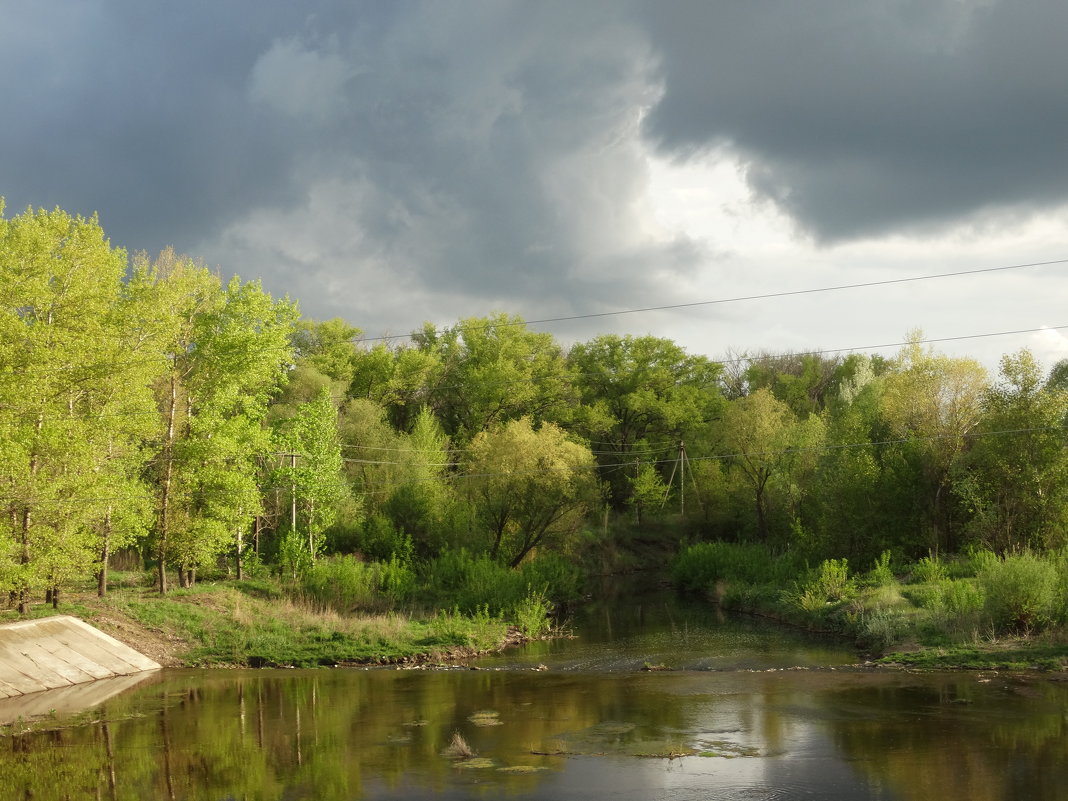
[[981, 612], [256, 623], [1032, 656], [228, 625]]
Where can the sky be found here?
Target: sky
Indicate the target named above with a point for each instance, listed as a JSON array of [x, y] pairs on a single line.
[[397, 162]]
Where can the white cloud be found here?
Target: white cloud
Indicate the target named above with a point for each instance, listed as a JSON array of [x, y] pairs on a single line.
[[299, 81]]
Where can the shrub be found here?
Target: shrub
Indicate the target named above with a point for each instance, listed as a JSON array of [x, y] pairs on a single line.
[[926, 596], [396, 579], [381, 540], [830, 584], [1021, 591], [531, 615], [698, 567], [962, 598], [345, 583], [559, 576], [881, 628], [472, 581], [882, 575], [980, 559], [929, 569]]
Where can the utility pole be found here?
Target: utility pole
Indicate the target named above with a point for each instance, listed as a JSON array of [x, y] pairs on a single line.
[[682, 477], [293, 501]]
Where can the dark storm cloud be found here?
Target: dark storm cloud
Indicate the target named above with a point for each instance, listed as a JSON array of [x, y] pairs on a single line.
[[375, 159], [484, 147], [137, 112], [867, 118]]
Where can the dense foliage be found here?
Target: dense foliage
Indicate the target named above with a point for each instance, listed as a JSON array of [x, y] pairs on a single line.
[[144, 405]]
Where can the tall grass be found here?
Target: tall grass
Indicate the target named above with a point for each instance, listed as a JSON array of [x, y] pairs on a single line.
[[473, 581], [345, 584], [699, 567]]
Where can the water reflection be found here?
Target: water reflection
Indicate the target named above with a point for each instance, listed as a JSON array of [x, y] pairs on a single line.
[[381, 734], [661, 630]]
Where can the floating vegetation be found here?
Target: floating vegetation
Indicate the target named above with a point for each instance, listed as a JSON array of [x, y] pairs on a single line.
[[416, 723], [725, 749], [486, 717], [674, 753], [458, 748], [477, 762], [521, 769]]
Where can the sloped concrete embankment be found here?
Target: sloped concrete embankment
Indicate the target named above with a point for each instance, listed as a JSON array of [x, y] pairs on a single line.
[[61, 651]]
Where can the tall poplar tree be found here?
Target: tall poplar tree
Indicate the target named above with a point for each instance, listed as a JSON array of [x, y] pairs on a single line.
[[68, 394], [226, 351]]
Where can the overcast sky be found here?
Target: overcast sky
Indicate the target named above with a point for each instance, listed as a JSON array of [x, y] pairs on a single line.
[[395, 162]]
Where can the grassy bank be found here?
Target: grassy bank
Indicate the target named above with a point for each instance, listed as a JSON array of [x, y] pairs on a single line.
[[270, 622], [974, 611]]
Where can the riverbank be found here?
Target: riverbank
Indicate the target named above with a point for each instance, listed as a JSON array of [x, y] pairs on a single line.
[[253, 624], [981, 612]]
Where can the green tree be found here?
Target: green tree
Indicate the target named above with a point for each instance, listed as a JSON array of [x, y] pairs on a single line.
[[225, 354], [803, 381], [648, 490], [767, 442], [530, 487], [934, 402], [494, 370], [329, 346], [68, 396], [316, 477], [1014, 478], [638, 393]]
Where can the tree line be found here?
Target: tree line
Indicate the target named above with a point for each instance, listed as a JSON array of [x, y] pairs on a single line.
[[145, 404]]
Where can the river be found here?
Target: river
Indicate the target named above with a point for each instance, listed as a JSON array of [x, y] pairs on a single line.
[[653, 699]]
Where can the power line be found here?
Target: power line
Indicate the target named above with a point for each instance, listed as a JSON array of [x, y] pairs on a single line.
[[620, 465], [738, 299], [928, 341]]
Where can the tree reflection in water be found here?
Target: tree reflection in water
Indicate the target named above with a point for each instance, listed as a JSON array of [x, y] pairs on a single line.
[[347, 734]]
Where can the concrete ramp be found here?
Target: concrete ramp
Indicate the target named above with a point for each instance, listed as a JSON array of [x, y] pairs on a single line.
[[61, 651]]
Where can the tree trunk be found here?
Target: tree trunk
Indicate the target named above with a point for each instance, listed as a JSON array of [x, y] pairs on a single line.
[[165, 489], [24, 560], [237, 535], [105, 554]]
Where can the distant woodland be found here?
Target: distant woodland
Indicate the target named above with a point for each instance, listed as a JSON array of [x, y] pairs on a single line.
[[148, 407]]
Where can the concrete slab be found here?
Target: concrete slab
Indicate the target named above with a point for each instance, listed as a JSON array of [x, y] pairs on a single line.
[[61, 651]]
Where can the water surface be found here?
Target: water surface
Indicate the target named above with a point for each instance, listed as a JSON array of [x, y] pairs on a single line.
[[746, 711]]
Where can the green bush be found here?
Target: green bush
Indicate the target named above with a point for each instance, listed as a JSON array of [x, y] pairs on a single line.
[[926, 596], [1021, 592], [830, 584], [380, 540], [962, 598], [345, 583], [471, 581], [559, 576], [531, 615], [980, 559], [699, 567], [881, 574], [881, 628], [929, 569], [396, 579], [480, 630]]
